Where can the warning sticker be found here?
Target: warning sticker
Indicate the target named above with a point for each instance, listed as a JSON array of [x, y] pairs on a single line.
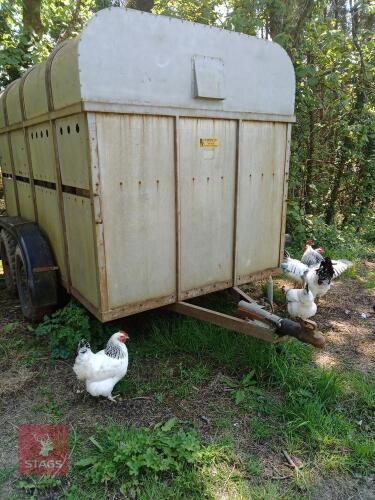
[[209, 142]]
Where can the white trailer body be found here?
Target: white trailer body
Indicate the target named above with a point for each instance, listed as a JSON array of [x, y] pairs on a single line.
[[154, 154]]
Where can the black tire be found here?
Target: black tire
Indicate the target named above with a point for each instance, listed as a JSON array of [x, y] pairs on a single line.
[[29, 310], [8, 256]]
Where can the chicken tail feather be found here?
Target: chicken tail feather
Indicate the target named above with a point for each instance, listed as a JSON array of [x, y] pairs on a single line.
[[83, 346]]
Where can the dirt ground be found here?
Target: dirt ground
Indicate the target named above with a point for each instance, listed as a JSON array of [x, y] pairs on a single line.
[[34, 390]]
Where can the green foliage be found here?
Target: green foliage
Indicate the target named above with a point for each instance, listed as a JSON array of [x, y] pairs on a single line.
[[9, 327], [337, 243], [369, 281], [66, 327], [36, 486], [253, 466], [28, 39], [316, 410], [259, 429], [131, 455], [5, 474], [165, 461], [244, 389]]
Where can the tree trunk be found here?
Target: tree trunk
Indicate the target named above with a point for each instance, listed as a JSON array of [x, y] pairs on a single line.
[[32, 22], [340, 167], [331, 208], [310, 161], [144, 5]]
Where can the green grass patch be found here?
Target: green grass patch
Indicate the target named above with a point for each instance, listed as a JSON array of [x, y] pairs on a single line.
[[369, 281], [5, 474]]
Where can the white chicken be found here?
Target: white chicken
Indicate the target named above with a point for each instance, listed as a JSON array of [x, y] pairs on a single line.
[[312, 256], [102, 370], [319, 276], [300, 302]]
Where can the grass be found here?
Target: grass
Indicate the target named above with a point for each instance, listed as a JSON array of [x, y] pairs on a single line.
[[315, 415], [369, 281], [270, 400]]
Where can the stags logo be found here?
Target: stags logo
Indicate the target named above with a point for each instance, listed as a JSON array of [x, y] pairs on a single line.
[[43, 450]]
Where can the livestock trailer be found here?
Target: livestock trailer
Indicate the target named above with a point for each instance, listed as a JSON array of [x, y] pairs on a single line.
[[146, 163]]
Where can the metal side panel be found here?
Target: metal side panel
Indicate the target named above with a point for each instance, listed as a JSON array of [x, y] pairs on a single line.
[[81, 251], [136, 161], [5, 162], [207, 187], [35, 92], [42, 152], [65, 76], [260, 197], [25, 199], [49, 219], [13, 103], [2, 114], [17, 140], [10, 196], [72, 139]]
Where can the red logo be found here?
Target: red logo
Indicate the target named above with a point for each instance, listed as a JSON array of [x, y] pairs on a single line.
[[43, 450]]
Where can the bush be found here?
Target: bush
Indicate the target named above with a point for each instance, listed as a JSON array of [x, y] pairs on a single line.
[[338, 243]]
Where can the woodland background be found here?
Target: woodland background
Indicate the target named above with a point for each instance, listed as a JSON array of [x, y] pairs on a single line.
[[332, 46]]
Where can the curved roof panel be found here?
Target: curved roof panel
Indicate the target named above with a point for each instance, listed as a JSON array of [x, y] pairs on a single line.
[[127, 56], [124, 56]]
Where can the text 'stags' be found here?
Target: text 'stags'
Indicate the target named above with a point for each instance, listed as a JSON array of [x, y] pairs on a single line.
[[43, 450]]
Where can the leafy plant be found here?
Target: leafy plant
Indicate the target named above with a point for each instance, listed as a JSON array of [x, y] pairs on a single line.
[[133, 454], [34, 486], [66, 327], [245, 388]]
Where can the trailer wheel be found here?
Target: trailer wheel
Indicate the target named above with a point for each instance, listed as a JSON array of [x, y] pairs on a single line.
[[7, 252], [30, 310]]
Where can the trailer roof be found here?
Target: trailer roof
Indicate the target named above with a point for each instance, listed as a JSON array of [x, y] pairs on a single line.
[[127, 57]]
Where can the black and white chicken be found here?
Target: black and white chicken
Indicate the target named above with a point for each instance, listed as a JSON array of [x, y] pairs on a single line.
[[319, 274]]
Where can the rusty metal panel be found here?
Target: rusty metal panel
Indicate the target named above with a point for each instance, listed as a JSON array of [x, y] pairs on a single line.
[[35, 92], [207, 186], [72, 140], [10, 196], [13, 103], [136, 158], [25, 198], [42, 152], [260, 197], [49, 219], [21, 166], [81, 250], [5, 161], [97, 212], [65, 79]]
